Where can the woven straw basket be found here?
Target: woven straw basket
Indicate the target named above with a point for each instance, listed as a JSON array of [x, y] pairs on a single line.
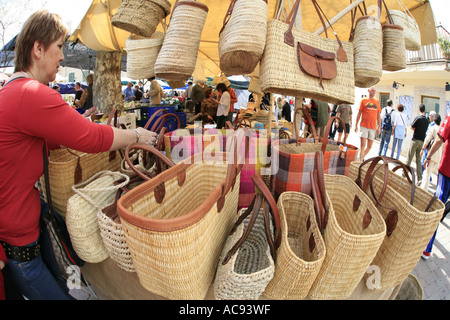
[[81, 219], [280, 71], [394, 53], [70, 167], [178, 55], [141, 17], [243, 37], [350, 244], [247, 273], [368, 51], [297, 265], [176, 224], [400, 252], [254, 85], [411, 30], [142, 54]]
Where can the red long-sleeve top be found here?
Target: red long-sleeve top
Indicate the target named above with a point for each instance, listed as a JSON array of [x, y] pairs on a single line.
[[31, 113]]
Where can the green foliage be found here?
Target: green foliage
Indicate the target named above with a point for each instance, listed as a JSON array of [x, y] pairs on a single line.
[[444, 43]]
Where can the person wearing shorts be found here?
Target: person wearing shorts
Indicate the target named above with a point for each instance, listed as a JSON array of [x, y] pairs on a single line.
[[344, 111], [369, 114]]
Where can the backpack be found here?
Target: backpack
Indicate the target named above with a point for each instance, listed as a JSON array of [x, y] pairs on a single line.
[[387, 121]]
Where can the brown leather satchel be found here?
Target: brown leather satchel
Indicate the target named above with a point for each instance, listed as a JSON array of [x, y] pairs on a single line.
[[316, 62]]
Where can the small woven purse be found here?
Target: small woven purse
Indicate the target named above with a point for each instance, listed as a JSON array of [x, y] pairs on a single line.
[[246, 265]]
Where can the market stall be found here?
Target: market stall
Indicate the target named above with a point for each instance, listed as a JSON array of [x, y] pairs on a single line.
[[305, 217]]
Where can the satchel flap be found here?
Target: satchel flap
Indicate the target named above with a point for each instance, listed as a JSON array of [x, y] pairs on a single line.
[[316, 63], [315, 52]]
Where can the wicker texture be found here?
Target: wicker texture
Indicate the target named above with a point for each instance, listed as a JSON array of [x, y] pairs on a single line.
[[280, 72], [142, 54], [296, 266], [394, 53], [350, 248], [400, 252], [141, 17], [242, 40], [368, 51], [178, 56], [62, 167], [114, 241], [250, 269], [411, 30], [81, 219], [179, 263]]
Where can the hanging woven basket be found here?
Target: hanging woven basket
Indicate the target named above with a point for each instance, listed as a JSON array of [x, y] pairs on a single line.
[[178, 55], [394, 54], [368, 51], [411, 30], [142, 54], [141, 17]]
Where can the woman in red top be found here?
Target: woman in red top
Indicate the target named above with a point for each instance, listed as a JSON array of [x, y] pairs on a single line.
[[32, 114]]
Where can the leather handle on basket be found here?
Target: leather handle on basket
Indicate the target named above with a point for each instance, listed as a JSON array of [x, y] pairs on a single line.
[[341, 54], [262, 187], [328, 127], [153, 116], [254, 215], [307, 114], [161, 121], [318, 191], [288, 36], [230, 179], [159, 190]]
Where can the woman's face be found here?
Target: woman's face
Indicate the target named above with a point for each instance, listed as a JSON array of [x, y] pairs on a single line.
[[51, 59]]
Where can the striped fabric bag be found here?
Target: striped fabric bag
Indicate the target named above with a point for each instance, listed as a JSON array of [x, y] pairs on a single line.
[[182, 144], [291, 169]]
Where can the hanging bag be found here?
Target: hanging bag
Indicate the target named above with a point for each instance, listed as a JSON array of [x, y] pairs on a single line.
[[302, 64], [411, 216], [243, 36], [394, 53], [140, 17], [411, 31], [367, 39], [246, 264], [178, 55], [142, 54], [176, 223], [352, 236]]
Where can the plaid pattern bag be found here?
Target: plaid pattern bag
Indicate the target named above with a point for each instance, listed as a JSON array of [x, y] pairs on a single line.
[[291, 169]]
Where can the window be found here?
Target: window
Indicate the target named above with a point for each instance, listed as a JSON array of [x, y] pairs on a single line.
[[431, 104], [384, 97]]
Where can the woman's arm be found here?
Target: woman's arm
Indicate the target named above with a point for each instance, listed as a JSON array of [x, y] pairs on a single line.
[[123, 138]]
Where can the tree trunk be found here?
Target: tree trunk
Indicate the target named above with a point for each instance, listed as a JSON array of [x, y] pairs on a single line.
[[107, 82]]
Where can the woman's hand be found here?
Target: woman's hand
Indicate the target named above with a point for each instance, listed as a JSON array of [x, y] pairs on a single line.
[[146, 136], [2, 264]]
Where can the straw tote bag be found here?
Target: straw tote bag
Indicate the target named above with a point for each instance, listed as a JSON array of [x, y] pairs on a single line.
[[295, 159], [140, 17], [288, 64], [394, 53], [367, 39], [142, 54], [410, 27], [302, 249], [243, 36], [246, 264], [178, 56], [68, 167], [352, 236], [176, 224], [81, 218], [412, 216]]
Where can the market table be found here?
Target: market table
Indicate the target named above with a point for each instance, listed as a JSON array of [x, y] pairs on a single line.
[[112, 283]]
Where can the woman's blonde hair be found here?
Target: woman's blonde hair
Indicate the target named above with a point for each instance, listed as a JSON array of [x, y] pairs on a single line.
[[43, 27], [90, 78]]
